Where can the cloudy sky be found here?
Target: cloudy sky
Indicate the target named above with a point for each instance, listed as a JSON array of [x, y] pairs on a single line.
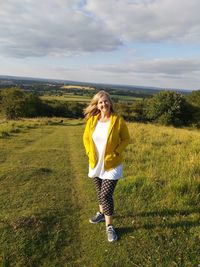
[[135, 42]]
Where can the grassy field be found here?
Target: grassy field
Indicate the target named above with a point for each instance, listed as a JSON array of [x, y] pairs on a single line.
[[67, 98], [46, 198], [84, 99], [126, 98]]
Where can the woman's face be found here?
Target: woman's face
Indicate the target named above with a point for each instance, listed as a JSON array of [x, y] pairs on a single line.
[[104, 104]]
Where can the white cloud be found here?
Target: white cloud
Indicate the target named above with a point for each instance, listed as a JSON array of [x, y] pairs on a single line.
[[172, 67], [150, 21], [37, 37], [165, 73], [38, 28], [64, 27]]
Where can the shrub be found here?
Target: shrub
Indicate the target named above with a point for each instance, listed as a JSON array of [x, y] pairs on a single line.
[[168, 108], [4, 134], [16, 103], [194, 100]]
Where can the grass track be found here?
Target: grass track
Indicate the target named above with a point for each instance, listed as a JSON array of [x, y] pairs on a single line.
[[38, 203], [46, 200]]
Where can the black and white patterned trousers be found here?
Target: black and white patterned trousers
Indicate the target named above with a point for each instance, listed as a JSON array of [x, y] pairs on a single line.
[[105, 189]]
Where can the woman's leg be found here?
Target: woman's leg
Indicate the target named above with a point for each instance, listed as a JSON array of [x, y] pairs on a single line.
[[107, 190], [98, 184], [99, 216]]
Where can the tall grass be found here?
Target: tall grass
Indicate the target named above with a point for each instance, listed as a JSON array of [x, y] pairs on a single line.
[[162, 166], [160, 196], [9, 127], [46, 198], [37, 197]]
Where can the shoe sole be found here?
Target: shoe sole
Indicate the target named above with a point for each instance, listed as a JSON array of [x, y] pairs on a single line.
[[103, 220], [113, 240]]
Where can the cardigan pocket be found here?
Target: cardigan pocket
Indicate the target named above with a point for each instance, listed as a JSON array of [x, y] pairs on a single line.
[[113, 157]]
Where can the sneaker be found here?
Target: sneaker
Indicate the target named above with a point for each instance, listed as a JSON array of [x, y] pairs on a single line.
[[112, 236], [99, 217]]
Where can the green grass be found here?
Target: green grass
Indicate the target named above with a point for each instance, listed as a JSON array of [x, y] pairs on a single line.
[[126, 98], [11, 127], [36, 199], [84, 99], [46, 199], [67, 98]]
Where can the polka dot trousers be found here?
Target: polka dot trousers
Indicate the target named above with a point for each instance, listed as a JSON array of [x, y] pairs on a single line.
[[105, 189]]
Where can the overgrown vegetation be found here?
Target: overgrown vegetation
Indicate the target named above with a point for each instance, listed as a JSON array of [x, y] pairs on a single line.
[[165, 107], [16, 103], [46, 199], [194, 100]]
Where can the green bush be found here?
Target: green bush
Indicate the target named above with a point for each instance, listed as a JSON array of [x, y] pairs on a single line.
[[16, 103], [194, 100], [168, 108], [131, 111]]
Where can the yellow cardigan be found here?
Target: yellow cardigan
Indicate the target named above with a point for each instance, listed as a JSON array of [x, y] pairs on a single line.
[[117, 140]]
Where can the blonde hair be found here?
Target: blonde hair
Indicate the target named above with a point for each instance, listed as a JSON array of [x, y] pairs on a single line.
[[92, 109]]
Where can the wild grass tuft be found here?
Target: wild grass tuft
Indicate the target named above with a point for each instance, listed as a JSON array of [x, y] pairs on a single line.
[[46, 198]]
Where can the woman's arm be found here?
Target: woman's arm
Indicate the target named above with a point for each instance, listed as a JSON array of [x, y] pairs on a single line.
[[86, 137], [124, 135]]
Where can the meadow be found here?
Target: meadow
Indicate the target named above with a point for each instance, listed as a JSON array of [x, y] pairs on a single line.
[[67, 97], [46, 198]]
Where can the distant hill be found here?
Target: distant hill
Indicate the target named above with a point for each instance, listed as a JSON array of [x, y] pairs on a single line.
[[75, 86], [6, 80]]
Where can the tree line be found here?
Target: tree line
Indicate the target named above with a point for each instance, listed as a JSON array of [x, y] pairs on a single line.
[[16, 103], [165, 107]]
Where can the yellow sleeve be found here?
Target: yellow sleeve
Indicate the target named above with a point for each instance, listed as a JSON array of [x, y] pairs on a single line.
[[86, 137], [124, 135]]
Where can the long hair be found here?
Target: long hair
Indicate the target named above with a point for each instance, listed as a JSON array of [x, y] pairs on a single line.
[[92, 109]]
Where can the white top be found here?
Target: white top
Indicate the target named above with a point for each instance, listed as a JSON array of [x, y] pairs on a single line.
[[100, 139]]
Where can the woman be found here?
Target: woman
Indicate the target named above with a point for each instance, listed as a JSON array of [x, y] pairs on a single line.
[[105, 138]]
